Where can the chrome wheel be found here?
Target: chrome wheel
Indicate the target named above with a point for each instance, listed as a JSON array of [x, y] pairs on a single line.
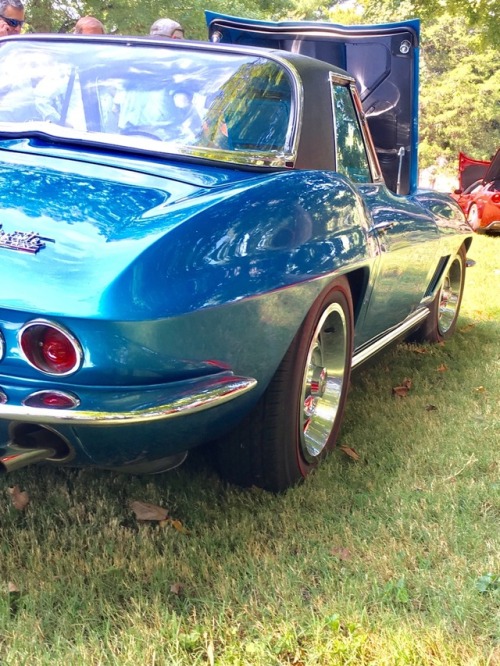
[[445, 307], [450, 296], [323, 381]]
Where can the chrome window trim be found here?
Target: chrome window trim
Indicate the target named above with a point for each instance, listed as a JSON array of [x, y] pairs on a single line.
[[145, 145], [2, 346], [371, 157], [367, 137]]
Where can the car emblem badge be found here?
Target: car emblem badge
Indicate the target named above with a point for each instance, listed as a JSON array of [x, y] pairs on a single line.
[[23, 241]]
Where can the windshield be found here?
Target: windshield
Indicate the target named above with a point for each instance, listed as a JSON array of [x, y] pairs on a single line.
[[185, 98]]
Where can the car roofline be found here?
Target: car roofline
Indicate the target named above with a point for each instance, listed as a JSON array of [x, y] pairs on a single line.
[[281, 56]]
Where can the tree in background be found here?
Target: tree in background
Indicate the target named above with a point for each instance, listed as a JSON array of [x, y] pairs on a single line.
[[460, 93], [130, 17]]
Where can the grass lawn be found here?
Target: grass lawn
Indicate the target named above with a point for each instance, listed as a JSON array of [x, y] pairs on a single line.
[[392, 558]]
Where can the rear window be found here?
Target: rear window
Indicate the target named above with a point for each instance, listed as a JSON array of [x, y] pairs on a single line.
[[183, 98]]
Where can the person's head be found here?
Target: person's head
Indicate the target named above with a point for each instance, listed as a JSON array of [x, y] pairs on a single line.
[[11, 17], [88, 25], [167, 28]]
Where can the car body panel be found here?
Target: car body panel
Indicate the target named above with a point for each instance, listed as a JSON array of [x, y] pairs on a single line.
[[184, 269], [91, 247]]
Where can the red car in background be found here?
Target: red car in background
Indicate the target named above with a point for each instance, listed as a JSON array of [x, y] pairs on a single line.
[[479, 193]]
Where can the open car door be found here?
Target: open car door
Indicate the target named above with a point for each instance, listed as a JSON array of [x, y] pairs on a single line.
[[382, 58]]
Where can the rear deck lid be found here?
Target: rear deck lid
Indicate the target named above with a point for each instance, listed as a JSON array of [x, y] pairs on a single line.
[[470, 170]]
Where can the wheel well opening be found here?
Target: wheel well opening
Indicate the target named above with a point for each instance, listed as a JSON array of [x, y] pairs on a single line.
[[358, 280]]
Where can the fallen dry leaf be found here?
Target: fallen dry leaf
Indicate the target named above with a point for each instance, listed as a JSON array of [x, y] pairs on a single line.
[[403, 389], [12, 588], [430, 408], [342, 553], [419, 350], [480, 389], [19, 498], [349, 452], [442, 368], [176, 588], [146, 511], [176, 524]]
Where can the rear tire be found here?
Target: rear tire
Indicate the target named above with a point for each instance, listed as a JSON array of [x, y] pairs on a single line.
[[297, 420], [442, 320]]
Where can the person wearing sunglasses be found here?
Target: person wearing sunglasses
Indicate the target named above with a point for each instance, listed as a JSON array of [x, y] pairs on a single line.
[[11, 17]]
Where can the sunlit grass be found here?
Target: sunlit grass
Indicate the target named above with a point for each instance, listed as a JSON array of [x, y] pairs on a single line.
[[387, 560]]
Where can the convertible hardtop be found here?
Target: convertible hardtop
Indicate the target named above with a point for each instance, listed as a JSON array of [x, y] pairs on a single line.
[[119, 92]]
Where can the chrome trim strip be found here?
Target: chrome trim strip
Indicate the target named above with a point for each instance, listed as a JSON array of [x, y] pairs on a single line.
[[315, 29], [205, 395], [337, 79], [243, 157], [2, 346], [151, 146], [366, 352]]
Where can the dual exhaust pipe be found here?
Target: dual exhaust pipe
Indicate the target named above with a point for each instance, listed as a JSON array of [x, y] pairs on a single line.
[[31, 443]]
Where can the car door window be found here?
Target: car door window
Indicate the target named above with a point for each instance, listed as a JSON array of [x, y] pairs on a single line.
[[351, 157]]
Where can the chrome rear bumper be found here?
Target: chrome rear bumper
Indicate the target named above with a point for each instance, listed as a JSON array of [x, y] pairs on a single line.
[[138, 405]]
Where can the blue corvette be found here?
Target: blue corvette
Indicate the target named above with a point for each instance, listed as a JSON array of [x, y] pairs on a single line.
[[198, 241]]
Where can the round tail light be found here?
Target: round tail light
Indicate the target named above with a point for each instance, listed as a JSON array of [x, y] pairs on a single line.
[[496, 198], [50, 348]]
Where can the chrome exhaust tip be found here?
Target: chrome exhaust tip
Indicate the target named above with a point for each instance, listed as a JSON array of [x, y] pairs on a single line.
[[14, 457], [30, 443]]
